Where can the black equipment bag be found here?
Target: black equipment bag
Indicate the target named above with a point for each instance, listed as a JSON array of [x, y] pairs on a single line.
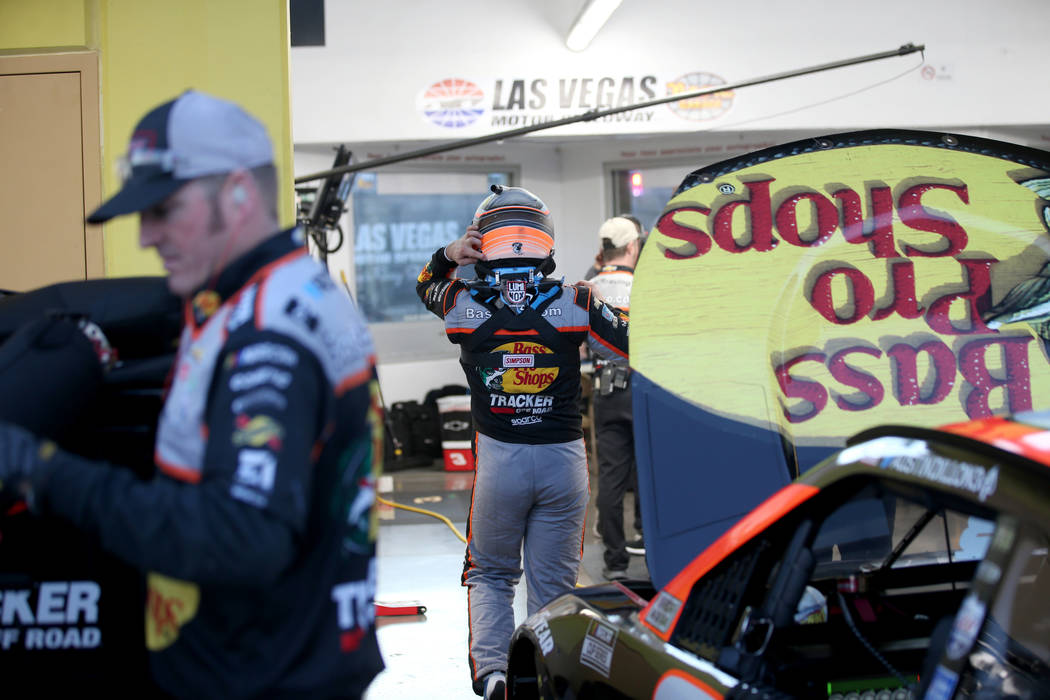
[[78, 622]]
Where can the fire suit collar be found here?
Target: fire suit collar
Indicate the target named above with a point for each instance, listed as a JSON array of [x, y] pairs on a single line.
[[237, 273]]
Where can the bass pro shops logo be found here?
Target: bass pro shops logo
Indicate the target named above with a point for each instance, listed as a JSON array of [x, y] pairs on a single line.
[[520, 380]]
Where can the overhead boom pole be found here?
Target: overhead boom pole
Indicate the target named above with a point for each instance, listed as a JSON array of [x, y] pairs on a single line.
[[599, 113]]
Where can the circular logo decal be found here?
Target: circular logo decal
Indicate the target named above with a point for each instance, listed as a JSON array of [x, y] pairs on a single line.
[[704, 107], [452, 102]]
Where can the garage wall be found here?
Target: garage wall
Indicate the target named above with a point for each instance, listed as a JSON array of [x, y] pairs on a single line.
[[368, 88], [151, 50]]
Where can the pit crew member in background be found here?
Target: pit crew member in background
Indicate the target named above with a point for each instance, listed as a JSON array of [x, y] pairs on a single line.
[[519, 333], [256, 533], [613, 414]]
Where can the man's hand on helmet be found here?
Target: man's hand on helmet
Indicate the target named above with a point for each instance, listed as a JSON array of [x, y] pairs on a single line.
[[466, 250]]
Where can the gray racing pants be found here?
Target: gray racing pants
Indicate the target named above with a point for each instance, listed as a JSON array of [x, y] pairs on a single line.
[[531, 495]]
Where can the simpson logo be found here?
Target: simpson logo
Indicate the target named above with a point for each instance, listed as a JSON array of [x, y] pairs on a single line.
[[453, 103], [519, 360]]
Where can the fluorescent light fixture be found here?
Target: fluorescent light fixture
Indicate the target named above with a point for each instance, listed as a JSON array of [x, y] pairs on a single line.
[[592, 18]]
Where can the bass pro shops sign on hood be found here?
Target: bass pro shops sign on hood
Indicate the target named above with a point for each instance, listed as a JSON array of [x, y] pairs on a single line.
[[797, 295]]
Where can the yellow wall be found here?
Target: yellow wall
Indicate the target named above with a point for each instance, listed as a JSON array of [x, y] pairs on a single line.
[[152, 50]]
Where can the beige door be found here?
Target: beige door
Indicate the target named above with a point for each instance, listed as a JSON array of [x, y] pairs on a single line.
[[49, 169]]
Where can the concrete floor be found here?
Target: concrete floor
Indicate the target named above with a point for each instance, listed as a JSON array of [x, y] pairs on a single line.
[[420, 560]]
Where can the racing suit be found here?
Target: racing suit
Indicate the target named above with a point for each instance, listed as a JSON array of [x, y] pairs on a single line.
[[614, 429], [522, 365], [257, 533]]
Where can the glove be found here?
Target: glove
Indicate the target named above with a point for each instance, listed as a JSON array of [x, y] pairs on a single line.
[[21, 452]]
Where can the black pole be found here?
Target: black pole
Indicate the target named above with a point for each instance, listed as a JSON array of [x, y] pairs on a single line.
[[599, 113]]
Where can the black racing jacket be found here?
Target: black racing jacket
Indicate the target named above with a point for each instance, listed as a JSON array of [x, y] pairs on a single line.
[[258, 535], [522, 367]]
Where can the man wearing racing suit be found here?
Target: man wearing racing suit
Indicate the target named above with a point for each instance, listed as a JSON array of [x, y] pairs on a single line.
[[613, 414], [519, 332], [256, 535]]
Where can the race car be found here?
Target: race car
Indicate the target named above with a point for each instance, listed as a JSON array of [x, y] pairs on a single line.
[[912, 563]]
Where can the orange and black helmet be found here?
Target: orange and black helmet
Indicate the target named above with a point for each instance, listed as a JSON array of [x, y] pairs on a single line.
[[515, 227]]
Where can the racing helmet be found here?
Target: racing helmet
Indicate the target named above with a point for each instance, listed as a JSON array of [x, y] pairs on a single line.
[[516, 229]]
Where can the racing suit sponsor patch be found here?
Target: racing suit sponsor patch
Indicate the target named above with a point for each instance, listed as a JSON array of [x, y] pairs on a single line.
[[257, 432], [265, 352], [52, 615], [254, 477], [526, 360], [243, 311], [426, 274], [597, 649], [355, 609], [263, 396], [526, 420], [170, 604], [519, 377], [242, 381], [514, 292]]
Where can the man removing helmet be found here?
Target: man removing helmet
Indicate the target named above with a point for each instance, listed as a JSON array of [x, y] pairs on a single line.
[[519, 332]]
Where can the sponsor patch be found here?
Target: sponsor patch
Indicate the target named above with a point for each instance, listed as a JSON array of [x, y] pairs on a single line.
[[302, 314], [270, 353], [242, 381], [663, 611], [526, 420], [514, 292], [243, 311], [426, 274], [170, 604], [257, 431], [52, 615], [263, 396], [519, 360], [256, 469], [597, 649]]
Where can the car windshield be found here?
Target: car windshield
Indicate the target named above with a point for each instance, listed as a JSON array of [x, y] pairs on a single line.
[[878, 530]]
